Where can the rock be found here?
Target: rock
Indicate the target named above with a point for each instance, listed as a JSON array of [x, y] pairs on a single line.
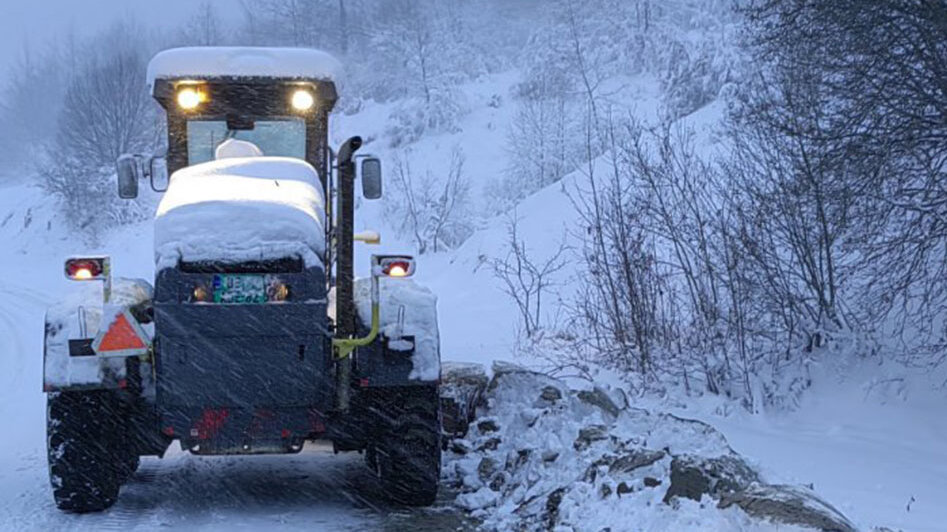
[[694, 476], [590, 434], [793, 505], [522, 456], [605, 491], [624, 488], [651, 482], [550, 394], [482, 498], [635, 459], [460, 447], [488, 466], [550, 456], [530, 416], [619, 397], [487, 425], [463, 373], [462, 387], [497, 483], [599, 398], [502, 371], [489, 445], [591, 472], [703, 439], [552, 506]]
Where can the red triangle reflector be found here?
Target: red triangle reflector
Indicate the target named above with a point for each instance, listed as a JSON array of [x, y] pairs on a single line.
[[121, 336]]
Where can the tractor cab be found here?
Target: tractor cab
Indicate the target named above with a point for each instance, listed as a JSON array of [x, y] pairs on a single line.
[[214, 94]]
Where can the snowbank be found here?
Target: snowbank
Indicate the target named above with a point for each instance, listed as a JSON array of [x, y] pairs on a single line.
[[241, 209], [542, 456], [238, 61], [420, 320]]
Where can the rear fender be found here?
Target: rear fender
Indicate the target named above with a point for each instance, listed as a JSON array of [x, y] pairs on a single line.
[[407, 351], [69, 361]]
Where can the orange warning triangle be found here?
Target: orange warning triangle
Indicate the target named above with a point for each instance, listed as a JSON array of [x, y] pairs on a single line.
[[121, 335]]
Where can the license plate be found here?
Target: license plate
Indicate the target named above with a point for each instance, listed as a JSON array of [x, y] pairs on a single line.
[[239, 289]]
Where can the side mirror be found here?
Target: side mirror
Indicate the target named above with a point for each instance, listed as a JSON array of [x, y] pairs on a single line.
[[159, 174], [129, 169], [371, 178]]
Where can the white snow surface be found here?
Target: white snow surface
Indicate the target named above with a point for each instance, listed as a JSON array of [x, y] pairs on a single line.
[[241, 209], [243, 61], [420, 320]]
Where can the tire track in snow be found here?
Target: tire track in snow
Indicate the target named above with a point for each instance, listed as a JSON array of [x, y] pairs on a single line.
[[133, 510], [21, 312]]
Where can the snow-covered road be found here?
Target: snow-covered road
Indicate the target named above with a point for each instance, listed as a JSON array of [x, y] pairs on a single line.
[[314, 490]]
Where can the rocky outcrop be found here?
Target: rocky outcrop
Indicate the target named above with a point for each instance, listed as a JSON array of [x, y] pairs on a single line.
[[462, 386], [695, 476], [539, 456], [793, 505]]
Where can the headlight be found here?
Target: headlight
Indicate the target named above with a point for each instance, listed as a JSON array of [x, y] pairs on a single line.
[[189, 98], [303, 100]]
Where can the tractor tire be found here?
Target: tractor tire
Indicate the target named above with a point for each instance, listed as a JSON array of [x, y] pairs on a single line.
[[132, 461], [408, 456], [87, 461]]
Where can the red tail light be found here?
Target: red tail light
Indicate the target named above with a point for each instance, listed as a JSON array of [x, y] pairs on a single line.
[[86, 268], [397, 269], [394, 265]]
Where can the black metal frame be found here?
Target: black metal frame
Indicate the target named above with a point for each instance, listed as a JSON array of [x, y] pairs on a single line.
[[248, 98]]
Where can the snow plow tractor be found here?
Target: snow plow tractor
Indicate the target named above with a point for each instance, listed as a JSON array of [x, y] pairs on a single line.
[[255, 336]]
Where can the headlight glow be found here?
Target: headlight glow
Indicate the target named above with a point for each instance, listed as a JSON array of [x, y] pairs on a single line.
[[303, 100], [189, 98]]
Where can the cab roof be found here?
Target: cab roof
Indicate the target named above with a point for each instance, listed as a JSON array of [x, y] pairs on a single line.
[[213, 62]]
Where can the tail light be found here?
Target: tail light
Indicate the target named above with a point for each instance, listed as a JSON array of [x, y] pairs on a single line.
[[394, 266], [87, 268], [200, 294], [277, 291]]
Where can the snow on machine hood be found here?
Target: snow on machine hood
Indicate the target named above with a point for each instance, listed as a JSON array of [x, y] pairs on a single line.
[[241, 209]]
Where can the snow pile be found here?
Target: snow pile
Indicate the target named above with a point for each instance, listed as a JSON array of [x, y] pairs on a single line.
[[241, 209], [419, 306], [544, 457], [239, 61]]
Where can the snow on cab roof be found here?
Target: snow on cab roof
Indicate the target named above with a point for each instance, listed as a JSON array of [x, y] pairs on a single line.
[[203, 62]]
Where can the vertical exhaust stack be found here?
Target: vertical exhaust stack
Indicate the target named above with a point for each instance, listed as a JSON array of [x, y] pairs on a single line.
[[344, 270]]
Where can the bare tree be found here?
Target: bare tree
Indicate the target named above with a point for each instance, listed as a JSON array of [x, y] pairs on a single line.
[[30, 101], [525, 278], [882, 69], [543, 142], [204, 27], [433, 211], [107, 111]]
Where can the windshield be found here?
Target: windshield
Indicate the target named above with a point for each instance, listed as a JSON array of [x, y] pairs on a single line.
[[282, 138]]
